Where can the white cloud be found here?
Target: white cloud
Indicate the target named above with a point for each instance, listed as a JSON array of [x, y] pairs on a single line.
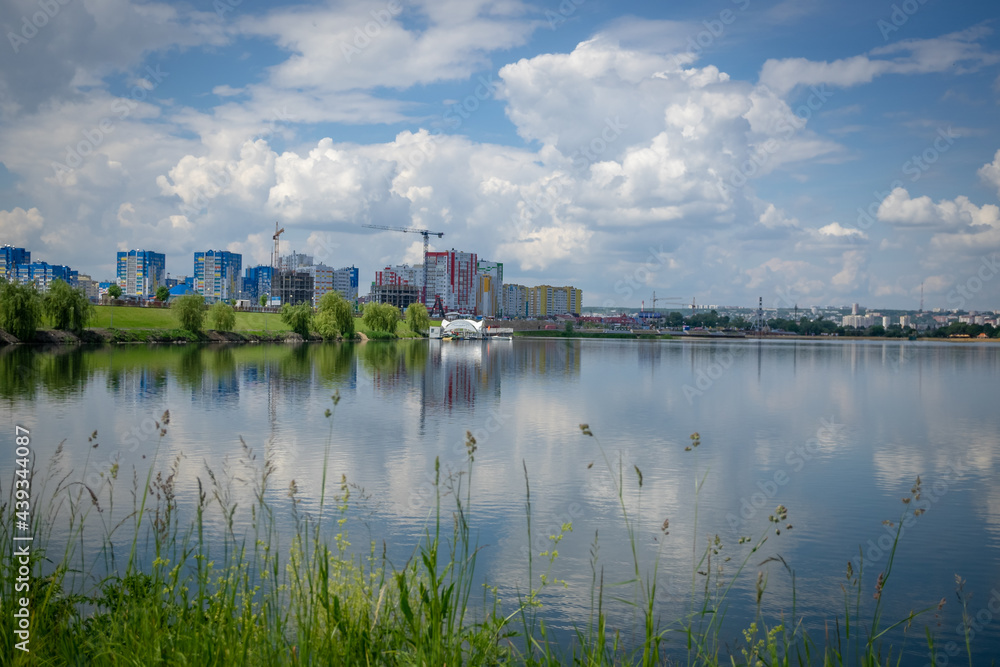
[[836, 230], [19, 227], [990, 173], [901, 210], [959, 52]]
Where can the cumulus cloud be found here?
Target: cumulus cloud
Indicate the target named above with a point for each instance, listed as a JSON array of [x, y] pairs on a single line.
[[836, 230], [19, 227], [902, 210], [990, 173]]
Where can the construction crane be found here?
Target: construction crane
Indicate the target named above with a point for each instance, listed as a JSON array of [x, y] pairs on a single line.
[[277, 257], [426, 233], [670, 300]]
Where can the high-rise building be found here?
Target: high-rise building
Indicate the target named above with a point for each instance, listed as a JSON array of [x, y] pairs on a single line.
[[515, 300], [489, 288], [546, 300], [10, 259], [140, 272], [854, 309], [345, 281], [256, 282], [217, 274], [452, 276], [42, 274]]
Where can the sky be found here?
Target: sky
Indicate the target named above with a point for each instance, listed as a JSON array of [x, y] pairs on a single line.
[[802, 152]]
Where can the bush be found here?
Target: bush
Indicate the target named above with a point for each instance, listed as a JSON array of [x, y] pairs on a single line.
[[190, 311], [381, 317], [223, 316], [417, 318], [20, 310], [298, 318], [335, 317], [68, 308]]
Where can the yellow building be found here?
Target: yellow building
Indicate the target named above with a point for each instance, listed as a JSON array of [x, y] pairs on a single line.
[[545, 300]]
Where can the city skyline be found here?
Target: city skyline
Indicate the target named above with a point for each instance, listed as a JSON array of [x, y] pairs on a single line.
[[853, 155]]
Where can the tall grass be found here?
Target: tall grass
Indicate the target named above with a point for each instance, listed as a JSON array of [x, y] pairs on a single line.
[[236, 585]]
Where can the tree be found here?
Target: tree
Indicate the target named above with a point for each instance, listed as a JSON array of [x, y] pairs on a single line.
[[417, 318], [335, 317], [114, 291], [162, 293], [568, 329], [263, 299], [223, 316], [381, 317], [68, 308], [190, 311], [298, 318], [20, 309]]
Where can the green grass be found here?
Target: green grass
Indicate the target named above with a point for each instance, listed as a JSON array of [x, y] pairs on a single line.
[[126, 317], [255, 595]]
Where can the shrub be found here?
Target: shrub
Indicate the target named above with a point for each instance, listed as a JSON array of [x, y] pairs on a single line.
[[381, 317], [335, 317], [417, 318], [298, 318], [162, 293], [68, 308], [20, 310], [190, 311], [223, 316]]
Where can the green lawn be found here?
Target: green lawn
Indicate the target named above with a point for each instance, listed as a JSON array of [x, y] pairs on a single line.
[[126, 317]]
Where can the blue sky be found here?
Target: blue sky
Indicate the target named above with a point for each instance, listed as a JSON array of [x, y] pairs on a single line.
[[818, 153]]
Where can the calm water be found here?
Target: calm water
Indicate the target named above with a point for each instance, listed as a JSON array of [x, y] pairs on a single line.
[[836, 431]]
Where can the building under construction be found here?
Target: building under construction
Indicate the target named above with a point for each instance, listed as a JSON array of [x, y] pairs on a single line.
[[400, 296]]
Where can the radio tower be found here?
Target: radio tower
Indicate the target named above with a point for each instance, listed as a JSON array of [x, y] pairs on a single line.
[[921, 297]]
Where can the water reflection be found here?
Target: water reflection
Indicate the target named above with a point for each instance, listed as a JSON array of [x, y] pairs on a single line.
[[901, 409]]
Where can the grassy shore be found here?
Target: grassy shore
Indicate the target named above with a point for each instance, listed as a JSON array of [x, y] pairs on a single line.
[[238, 586], [135, 324]]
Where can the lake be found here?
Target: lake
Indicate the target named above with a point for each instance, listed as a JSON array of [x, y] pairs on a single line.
[[836, 431]]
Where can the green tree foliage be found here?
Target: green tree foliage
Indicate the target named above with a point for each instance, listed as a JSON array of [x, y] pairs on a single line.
[[68, 308], [223, 316], [263, 299], [417, 318], [298, 318], [20, 309], [335, 317], [190, 311], [114, 291], [381, 317], [162, 293]]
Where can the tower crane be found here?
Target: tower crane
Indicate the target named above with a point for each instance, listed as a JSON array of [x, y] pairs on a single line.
[[423, 232], [277, 257]]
